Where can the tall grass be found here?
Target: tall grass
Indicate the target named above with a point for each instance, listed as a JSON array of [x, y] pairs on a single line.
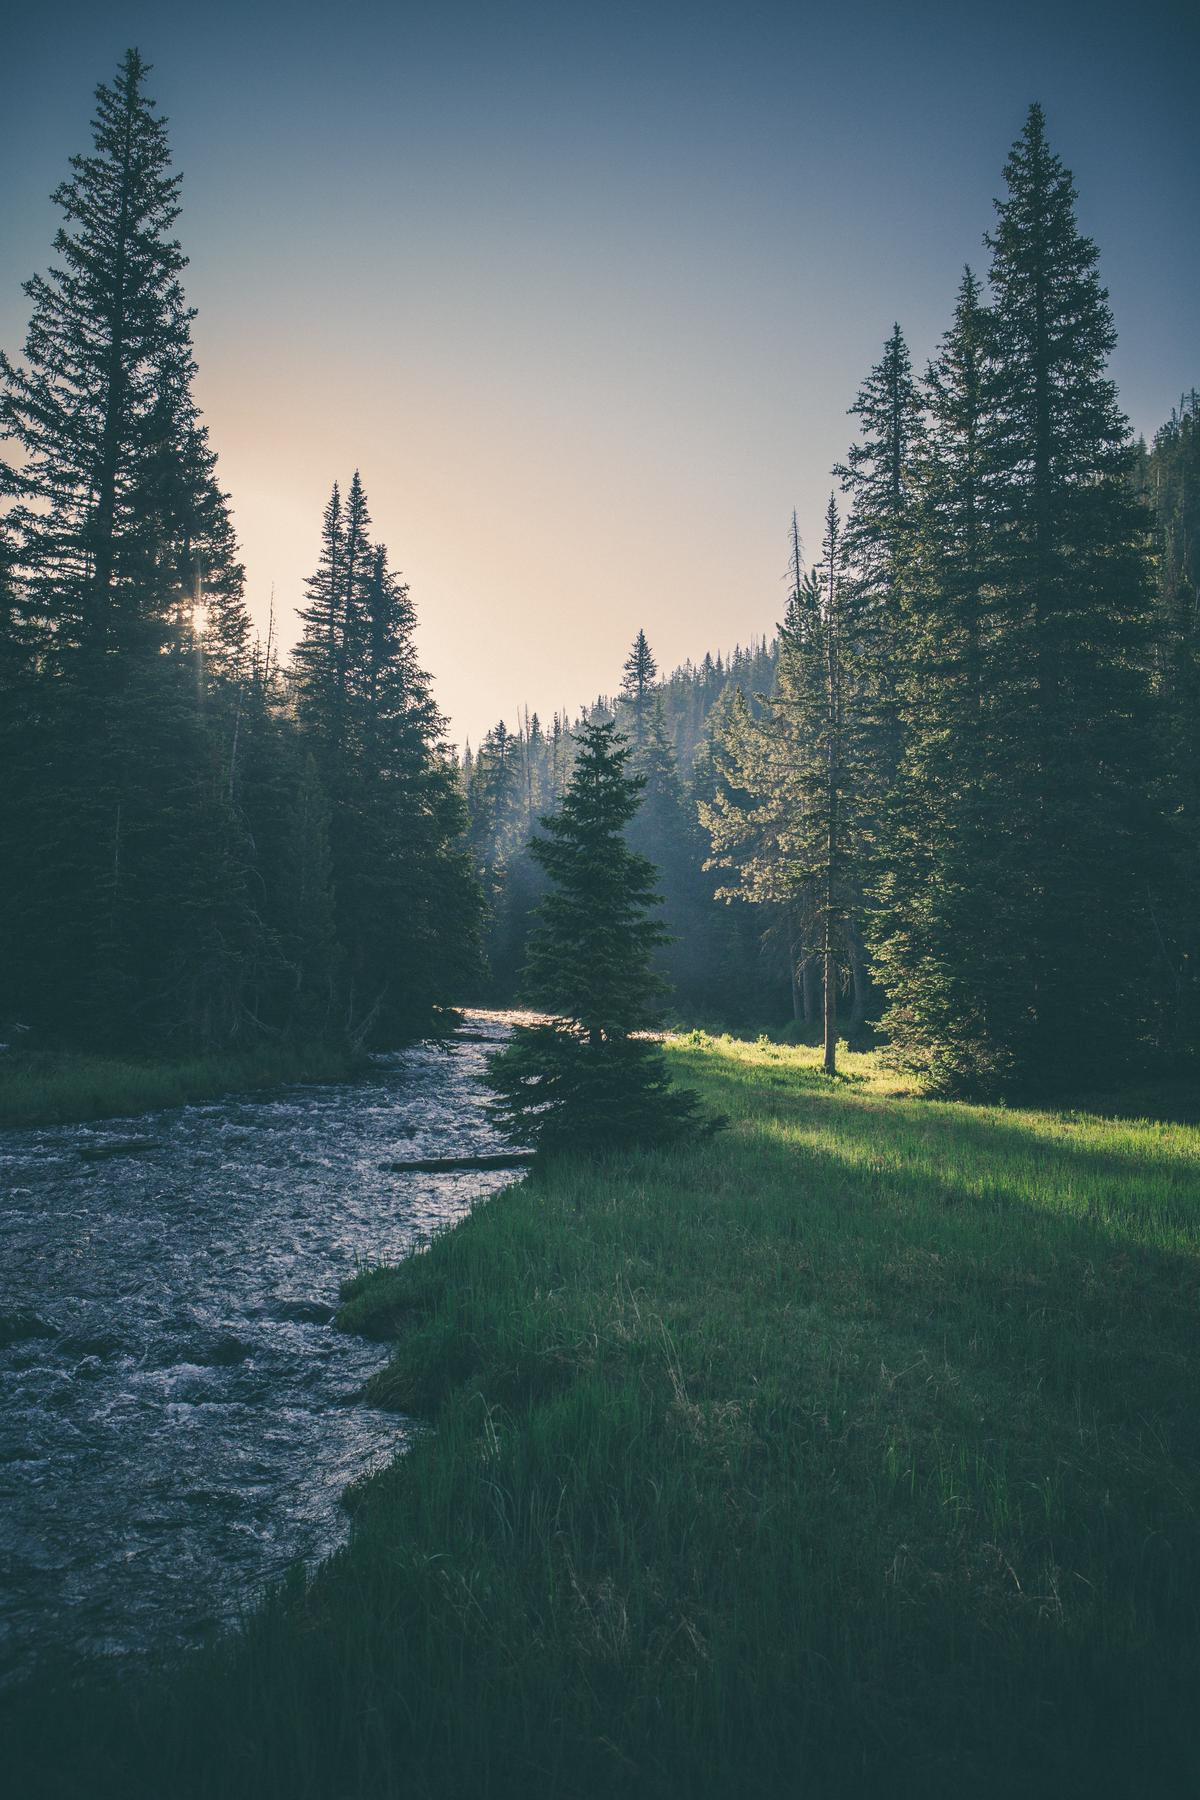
[[59, 1089], [855, 1452]]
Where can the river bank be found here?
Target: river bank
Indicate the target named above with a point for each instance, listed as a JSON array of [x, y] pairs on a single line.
[[65, 1087], [178, 1417], [852, 1452]]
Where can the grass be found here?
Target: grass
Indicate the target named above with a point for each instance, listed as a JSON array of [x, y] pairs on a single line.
[[60, 1088], [855, 1452]]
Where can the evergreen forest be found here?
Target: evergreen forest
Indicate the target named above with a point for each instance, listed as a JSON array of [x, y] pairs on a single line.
[[648, 1250], [949, 808]]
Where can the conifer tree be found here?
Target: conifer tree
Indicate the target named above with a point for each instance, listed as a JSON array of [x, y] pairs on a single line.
[[334, 650], [638, 676], [1067, 730], [789, 815], [114, 467], [877, 482], [1015, 932], [406, 903], [119, 534], [410, 892], [590, 1079], [665, 830], [931, 936], [315, 658]]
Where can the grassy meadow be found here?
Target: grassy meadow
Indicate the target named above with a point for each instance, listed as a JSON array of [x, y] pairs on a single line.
[[53, 1088], [853, 1452]]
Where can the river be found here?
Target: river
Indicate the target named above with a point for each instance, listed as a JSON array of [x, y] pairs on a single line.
[[178, 1417]]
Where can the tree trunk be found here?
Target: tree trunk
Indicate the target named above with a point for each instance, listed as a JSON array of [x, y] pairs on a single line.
[[830, 997], [809, 976], [833, 676], [797, 998], [858, 1011]]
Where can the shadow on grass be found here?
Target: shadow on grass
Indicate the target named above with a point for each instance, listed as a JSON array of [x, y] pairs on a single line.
[[1169, 1102]]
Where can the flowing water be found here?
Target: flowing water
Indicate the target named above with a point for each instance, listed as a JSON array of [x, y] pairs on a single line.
[[178, 1417]]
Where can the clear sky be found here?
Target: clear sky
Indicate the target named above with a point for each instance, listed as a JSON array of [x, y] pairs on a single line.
[[586, 289]]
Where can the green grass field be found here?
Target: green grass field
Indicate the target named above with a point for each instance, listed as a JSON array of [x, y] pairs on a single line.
[[49, 1088], [854, 1452]]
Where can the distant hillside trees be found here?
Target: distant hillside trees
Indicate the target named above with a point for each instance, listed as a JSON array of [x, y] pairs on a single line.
[[717, 963], [637, 686]]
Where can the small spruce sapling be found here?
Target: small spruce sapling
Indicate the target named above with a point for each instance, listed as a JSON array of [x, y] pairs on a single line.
[[591, 1077]]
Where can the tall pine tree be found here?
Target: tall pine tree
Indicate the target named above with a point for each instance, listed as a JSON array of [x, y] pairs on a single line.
[[120, 809], [1068, 704], [935, 952]]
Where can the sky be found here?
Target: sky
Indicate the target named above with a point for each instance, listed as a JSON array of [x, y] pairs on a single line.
[[585, 291]]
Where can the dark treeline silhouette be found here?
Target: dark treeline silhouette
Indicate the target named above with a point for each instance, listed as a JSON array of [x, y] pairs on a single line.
[[958, 794], [953, 803], [199, 845]]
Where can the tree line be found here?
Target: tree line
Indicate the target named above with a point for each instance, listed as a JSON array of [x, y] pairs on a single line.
[[952, 803], [719, 962], [201, 846], [977, 761], [960, 797]]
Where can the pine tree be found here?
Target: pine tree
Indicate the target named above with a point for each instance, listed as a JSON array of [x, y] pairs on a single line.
[[315, 658], [117, 527], [590, 1079], [639, 673], [406, 903], [114, 482], [877, 481], [334, 650], [932, 941], [789, 816], [1067, 730]]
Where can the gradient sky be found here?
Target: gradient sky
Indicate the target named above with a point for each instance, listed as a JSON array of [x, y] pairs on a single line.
[[585, 290]]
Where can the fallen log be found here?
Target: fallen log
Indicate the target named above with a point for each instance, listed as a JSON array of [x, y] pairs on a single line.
[[116, 1147], [438, 1165]]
